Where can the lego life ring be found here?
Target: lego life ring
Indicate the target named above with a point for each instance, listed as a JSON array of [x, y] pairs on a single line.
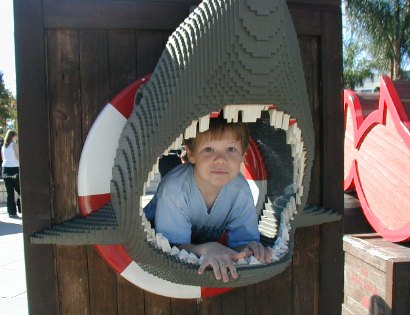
[[95, 173]]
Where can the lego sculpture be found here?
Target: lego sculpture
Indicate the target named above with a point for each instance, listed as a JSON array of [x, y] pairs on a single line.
[[241, 56], [377, 156]]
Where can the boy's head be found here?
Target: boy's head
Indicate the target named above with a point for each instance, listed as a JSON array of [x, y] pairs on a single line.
[[218, 127], [217, 154]]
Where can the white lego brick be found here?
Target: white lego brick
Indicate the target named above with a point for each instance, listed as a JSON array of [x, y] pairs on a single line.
[[204, 123]]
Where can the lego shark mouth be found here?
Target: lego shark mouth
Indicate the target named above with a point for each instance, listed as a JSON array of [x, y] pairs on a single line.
[[275, 210], [226, 52]]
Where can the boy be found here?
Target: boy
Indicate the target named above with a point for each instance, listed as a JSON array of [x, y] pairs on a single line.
[[198, 201]]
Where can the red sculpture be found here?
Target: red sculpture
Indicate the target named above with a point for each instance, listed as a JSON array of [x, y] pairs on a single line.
[[377, 156]]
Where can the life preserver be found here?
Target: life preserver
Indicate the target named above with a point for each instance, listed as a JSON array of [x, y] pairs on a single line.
[[95, 173]]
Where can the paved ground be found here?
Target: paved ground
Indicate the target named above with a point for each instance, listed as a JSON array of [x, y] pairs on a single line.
[[13, 291]]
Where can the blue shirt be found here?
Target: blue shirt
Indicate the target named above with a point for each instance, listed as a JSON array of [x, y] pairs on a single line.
[[182, 217]]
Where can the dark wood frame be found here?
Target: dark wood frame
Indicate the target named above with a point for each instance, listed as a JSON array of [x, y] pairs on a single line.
[[314, 283]]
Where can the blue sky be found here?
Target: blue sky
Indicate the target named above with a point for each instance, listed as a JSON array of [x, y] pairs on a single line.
[[7, 62]]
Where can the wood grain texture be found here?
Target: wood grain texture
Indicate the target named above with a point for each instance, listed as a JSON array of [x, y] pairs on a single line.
[[130, 298], [114, 14], [34, 139], [88, 64], [331, 254], [63, 60]]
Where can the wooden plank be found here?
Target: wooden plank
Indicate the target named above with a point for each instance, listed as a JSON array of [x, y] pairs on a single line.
[[78, 14], [210, 306], [362, 282], [305, 286], [122, 59], [94, 95], [401, 287], [331, 254], [121, 72], [94, 71], [139, 15], [150, 45], [102, 284], [234, 302], [317, 2], [377, 274], [183, 306], [309, 50], [156, 304], [130, 298], [73, 292], [65, 115], [65, 120], [305, 20], [273, 296], [34, 154]]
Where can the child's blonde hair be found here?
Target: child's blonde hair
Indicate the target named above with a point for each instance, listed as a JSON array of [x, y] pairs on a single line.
[[217, 127]]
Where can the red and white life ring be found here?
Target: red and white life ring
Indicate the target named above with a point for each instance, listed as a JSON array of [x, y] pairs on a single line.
[[95, 173]]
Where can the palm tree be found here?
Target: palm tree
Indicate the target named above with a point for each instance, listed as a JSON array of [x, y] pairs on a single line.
[[383, 25]]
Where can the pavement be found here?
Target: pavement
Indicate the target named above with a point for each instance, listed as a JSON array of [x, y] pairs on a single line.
[[13, 289]]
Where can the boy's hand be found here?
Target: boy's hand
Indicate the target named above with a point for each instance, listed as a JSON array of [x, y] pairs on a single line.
[[260, 252], [220, 258]]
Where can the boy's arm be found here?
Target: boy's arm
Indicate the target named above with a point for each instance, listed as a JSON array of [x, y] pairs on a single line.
[[218, 256]]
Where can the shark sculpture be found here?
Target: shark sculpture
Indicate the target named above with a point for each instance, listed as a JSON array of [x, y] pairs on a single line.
[[241, 56]]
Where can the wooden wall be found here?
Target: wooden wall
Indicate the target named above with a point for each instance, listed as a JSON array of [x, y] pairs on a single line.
[[73, 56]]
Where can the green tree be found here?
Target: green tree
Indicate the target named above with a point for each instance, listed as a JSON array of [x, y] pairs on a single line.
[[383, 27], [8, 109], [356, 68]]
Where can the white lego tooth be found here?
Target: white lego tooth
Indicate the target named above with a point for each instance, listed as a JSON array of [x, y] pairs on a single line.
[[153, 234], [278, 120], [289, 211], [274, 257], [253, 261], [272, 117], [183, 255], [190, 132], [156, 166], [297, 132], [178, 141], [204, 123], [158, 240], [192, 259], [174, 251], [300, 190], [251, 113], [293, 204], [241, 262], [285, 234], [285, 121], [298, 199], [231, 113], [147, 183], [290, 134]]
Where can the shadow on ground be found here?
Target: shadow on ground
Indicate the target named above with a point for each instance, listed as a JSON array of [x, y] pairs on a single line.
[[7, 228]]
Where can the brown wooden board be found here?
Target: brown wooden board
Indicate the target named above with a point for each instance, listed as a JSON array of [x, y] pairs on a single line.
[[64, 88], [130, 298], [115, 14], [34, 138], [377, 275], [88, 58], [331, 254]]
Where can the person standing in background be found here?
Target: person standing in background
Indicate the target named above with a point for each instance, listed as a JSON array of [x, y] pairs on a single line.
[[10, 165]]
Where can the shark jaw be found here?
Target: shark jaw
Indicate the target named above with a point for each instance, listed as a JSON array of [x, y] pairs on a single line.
[[275, 213]]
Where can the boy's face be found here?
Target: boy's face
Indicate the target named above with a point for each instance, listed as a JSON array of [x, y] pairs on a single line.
[[217, 161]]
